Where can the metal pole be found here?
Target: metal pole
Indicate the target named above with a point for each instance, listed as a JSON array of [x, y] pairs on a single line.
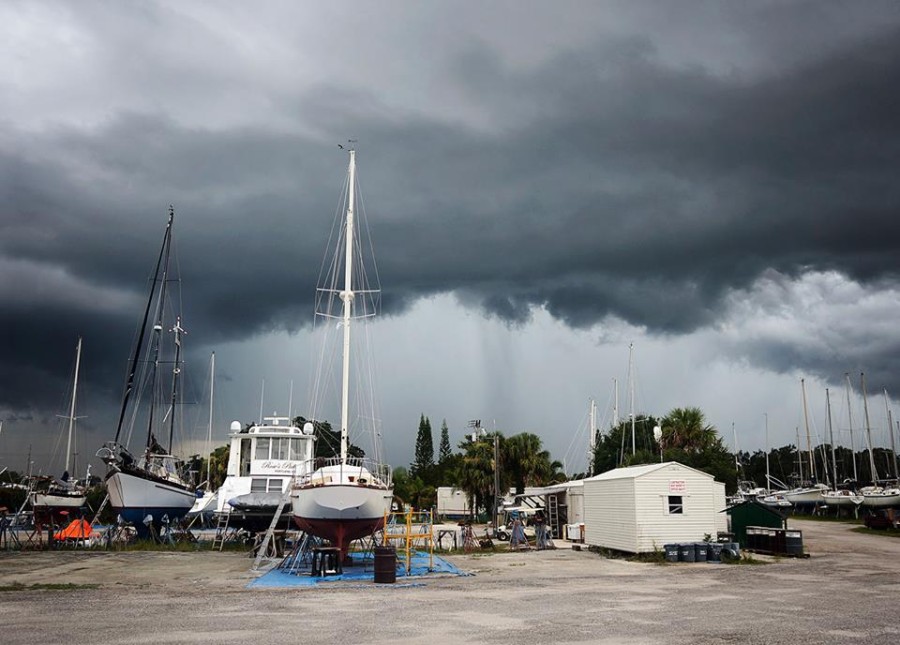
[[812, 463], [72, 408], [831, 438], [862, 378]]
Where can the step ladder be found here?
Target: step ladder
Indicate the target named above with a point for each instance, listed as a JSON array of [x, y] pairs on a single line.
[[553, 514], [221, 530], [264, 545], [103, 505]]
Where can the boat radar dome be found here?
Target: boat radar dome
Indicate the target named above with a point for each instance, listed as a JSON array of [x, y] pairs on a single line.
[[235, 426], [308, 428]]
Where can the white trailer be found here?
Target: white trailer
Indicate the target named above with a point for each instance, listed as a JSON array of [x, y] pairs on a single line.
[[452, 503]]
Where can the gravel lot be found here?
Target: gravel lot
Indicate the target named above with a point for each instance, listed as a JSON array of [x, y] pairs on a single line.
[[845, 593]]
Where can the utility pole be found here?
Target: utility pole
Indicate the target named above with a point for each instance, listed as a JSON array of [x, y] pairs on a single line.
[[496, 478]]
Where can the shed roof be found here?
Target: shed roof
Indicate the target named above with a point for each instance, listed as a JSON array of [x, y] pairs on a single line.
[[633, 472]]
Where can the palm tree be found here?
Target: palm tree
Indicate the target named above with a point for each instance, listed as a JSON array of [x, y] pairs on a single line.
[[528, 464], [686, 429], [476, 471]]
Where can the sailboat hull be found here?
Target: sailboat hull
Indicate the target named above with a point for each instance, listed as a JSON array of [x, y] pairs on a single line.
[[881, 500], [50, 501], [847, 499], [340, 513], [135, 497], [805, 496]]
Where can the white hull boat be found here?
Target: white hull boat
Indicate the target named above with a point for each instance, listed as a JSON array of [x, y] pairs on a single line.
[[134, 497], [844, 498], [50, 497], [776, 500], [881, 498], [157, 483], [263, 461], [344, 499], [341, 503], [57, 500], [806, 496]]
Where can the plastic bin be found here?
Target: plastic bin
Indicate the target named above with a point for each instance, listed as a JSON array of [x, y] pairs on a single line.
[[714, 552], [686, 552], [700, 550], [671, 552]]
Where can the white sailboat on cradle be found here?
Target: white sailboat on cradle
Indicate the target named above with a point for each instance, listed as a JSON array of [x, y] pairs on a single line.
[[147, 489], [50, 496], [344, 498], [808, 493], [875, 496], [837, 496]]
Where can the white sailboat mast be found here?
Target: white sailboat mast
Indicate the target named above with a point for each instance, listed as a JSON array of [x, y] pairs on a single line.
[[593, 441], [631, 388], [347, 298], [72, 407], [812, 463], [850, 421], [831, 438], [615, 403], [862, 379], [212, 389], [890, 425], [768, 477]]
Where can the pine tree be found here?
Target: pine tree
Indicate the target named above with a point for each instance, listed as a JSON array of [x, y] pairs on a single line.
[[424, 459], [445, 451]]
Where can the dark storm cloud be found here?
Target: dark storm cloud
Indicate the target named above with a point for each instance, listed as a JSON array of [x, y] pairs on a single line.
[[611, 183]]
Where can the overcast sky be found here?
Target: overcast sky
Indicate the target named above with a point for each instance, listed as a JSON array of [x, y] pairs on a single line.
[[544, 182]]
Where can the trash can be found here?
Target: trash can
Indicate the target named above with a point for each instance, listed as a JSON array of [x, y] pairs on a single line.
[[671, 552], [793, 543], [714, 552], [686, 552], [700, 551], [385, 564]]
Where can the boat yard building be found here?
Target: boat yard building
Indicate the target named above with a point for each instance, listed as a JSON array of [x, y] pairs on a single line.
[[639, 509]]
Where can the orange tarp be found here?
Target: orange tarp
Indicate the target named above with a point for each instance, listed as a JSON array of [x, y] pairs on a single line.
[[76, 530]]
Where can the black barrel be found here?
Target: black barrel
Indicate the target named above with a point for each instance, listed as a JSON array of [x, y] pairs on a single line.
[[385, 564], [686, 552]]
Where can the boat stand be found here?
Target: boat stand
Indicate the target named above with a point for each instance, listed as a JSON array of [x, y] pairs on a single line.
[[300, 558]]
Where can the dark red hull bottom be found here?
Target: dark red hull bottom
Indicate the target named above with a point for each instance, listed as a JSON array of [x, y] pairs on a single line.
[[340, 532]]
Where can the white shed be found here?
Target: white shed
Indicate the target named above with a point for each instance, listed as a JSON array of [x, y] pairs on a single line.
[[642, 508]]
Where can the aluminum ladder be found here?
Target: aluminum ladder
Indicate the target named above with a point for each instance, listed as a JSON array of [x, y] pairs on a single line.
[[221, 530], [264, 545], [553, 514]]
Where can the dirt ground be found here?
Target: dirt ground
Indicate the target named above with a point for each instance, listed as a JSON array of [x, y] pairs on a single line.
[[845, 593]]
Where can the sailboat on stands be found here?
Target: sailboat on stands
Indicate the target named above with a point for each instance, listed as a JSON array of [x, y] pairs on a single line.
[[837, 497], [344, 498], [808, 493], [50, 497], [153, 486], [876, 495]]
